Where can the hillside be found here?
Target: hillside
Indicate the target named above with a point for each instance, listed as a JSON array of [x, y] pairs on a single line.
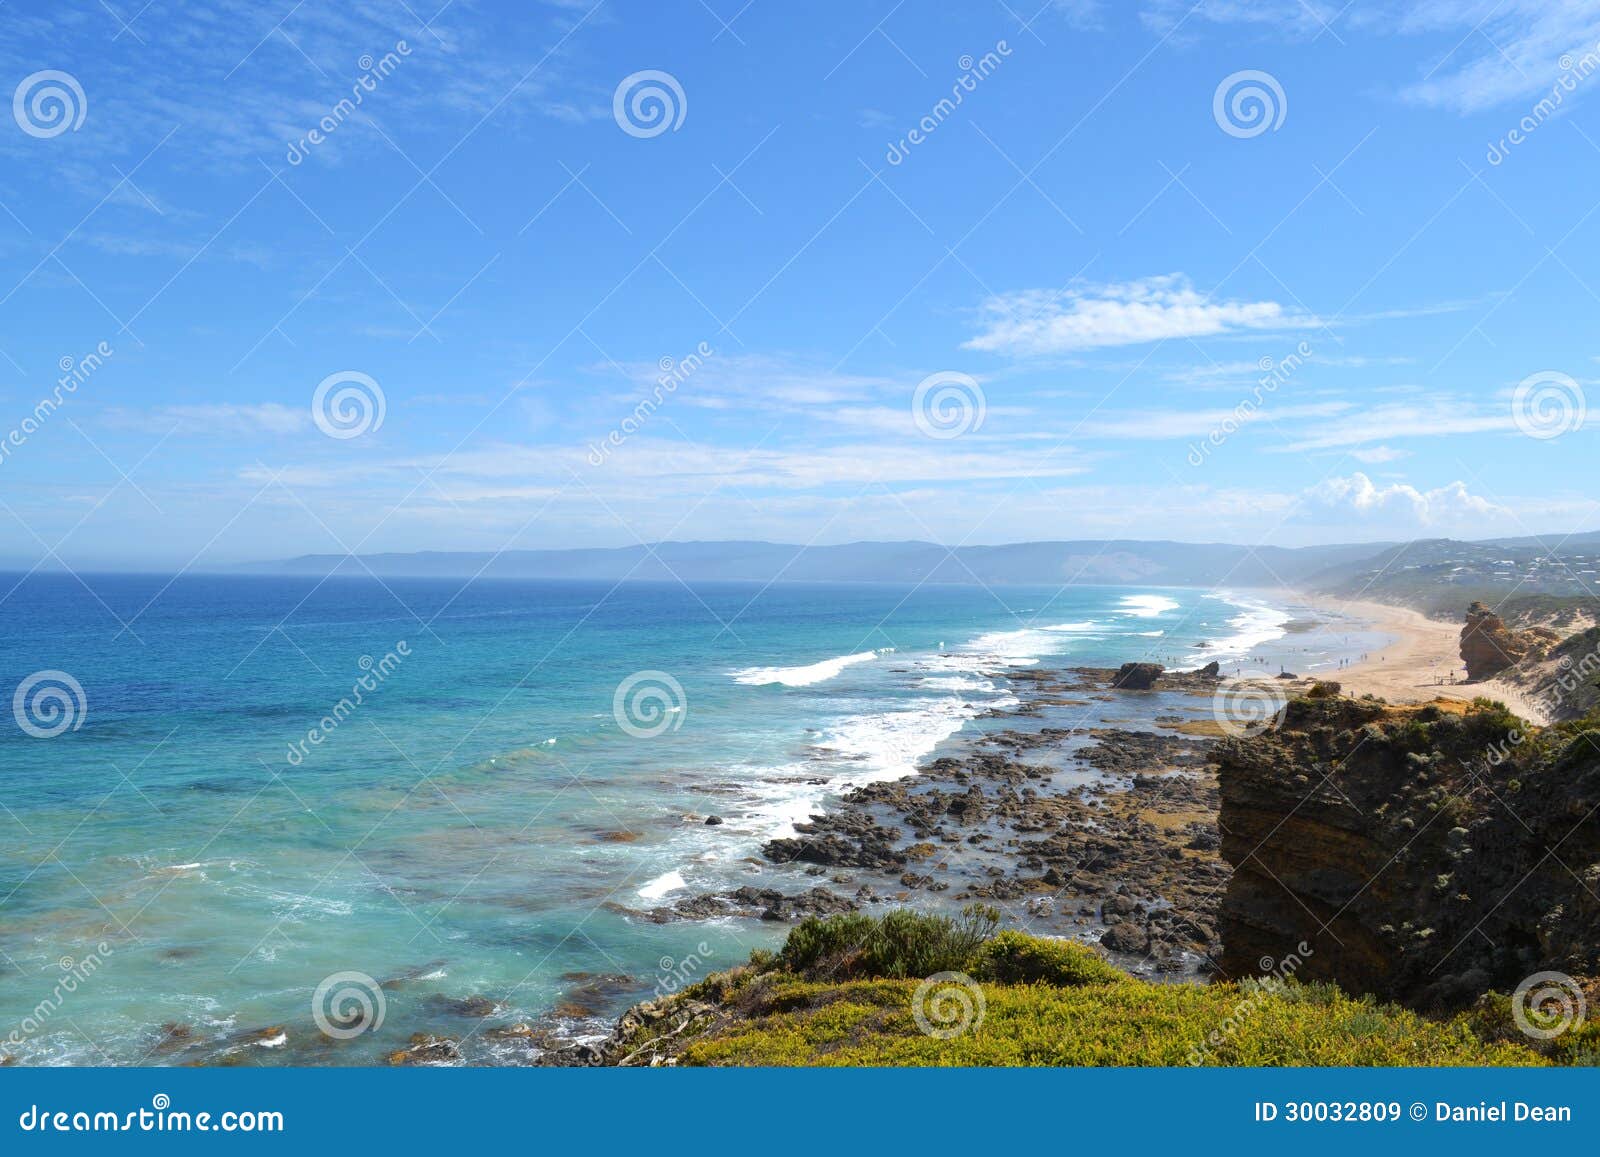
[[1046, 563], [848, 991], [1437, 576], [1441, 576]]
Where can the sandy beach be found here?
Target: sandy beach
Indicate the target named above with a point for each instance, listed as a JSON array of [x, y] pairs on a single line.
[[1424, 652]]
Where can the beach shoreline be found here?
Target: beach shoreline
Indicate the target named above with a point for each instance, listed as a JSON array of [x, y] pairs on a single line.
[[1419, 662]]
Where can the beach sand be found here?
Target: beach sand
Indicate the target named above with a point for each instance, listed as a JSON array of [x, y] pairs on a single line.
[[1423, 652]]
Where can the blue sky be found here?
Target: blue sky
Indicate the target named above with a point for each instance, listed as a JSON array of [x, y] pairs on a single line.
[[1096, 255]]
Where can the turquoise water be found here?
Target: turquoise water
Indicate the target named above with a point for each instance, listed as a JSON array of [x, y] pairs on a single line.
[[211, 834]]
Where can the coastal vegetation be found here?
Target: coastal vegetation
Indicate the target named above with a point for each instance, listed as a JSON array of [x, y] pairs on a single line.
[[852, 990]]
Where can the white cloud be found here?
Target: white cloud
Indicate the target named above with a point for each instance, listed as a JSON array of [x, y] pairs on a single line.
[[1041, 321], [1164, 424], [1432, 416], [1492, 51], [661, 466], [1080, 13], [760, 381], [1358, 495], [1509, 49], [1295, 17], [219, 418], [1377, 455]]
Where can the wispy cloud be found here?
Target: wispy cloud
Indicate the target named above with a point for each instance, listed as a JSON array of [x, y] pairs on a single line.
[[1296, 17], [1169, 424], [667, 467], [1031, 322], [221, 418], [1509, 49], [1427, 417], [1377, 455]]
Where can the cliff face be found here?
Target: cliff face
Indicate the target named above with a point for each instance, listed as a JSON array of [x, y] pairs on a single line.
[[1423, 854], [1565, 683], [1488, 646]]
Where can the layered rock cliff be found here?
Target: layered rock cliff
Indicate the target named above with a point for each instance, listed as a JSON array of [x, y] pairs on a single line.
[[1422, 854], [1488, 646]]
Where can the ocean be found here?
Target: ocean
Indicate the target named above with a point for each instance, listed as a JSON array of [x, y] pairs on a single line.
[[437, 798]]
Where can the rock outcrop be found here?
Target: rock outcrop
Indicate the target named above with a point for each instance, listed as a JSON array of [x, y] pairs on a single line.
[[1488, 646], [1137, 676], [1421, 854]]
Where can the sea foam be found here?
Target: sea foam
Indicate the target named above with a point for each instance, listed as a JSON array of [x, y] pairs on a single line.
[[1255, 624], [800, 676], [662, 884], [1148, 606]]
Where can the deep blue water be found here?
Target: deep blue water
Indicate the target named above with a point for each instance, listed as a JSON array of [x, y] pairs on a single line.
[[472, 826]]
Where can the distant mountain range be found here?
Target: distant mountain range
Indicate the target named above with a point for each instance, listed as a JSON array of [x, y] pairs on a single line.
[[1111, 562], [1434, 573]]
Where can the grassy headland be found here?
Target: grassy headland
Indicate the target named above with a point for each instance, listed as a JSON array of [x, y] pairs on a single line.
[[856, 990]]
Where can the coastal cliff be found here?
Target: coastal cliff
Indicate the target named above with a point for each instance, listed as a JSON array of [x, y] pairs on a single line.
[[1489, 647], [1564, 683], [1426, 854]]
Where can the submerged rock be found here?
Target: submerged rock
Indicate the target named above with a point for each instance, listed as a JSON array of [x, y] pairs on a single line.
[[426, 1049]]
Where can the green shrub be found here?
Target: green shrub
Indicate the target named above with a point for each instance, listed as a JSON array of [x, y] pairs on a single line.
[[1016, 958], [828, 945], [899, 944], [1491, 1020]]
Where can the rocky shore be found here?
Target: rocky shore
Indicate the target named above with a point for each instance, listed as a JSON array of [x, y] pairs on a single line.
[[1105, 834]]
